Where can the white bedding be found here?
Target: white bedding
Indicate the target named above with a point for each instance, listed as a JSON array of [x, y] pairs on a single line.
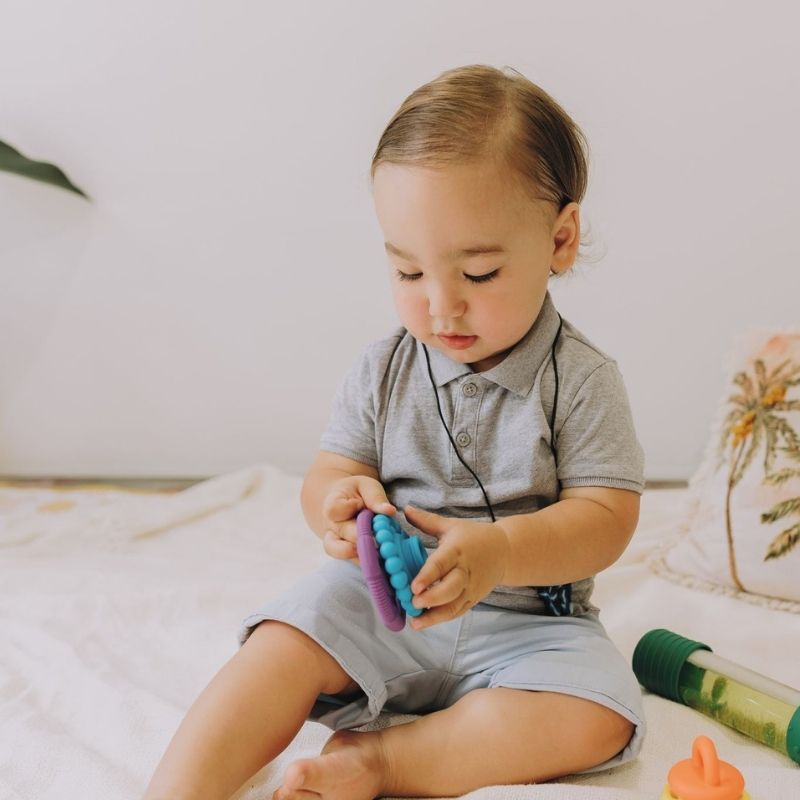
[[116, 608]]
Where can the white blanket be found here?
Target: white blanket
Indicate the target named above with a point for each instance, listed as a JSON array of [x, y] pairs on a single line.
[[116, 609]]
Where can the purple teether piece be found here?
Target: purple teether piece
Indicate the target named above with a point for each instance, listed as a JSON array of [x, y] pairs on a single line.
[[389, 608]]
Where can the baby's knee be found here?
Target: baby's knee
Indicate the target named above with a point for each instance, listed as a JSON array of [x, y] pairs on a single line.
[[277, 639], [281, 640], [605, 732]]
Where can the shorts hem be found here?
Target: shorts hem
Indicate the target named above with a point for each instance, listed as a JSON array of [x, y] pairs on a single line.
[[351, 661]]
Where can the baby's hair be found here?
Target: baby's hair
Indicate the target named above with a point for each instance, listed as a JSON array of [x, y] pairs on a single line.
[[477, 112]]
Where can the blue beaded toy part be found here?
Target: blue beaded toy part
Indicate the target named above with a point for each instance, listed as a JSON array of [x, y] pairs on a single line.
[[402, 556]]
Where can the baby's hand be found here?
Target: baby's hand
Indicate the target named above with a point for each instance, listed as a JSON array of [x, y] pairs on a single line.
[[468, 563], [339, 509]]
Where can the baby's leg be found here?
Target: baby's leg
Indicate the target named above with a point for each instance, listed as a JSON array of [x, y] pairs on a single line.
[[249, 713], [488, 737]]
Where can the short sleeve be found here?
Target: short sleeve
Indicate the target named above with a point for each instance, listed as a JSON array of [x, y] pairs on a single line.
[[597, 444], [351, 425]]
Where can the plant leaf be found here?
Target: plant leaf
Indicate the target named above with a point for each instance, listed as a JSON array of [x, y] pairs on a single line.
[[12, 160], [772, 441], [782, 509], [761, 374], [743, 379], [775, 375], [738, 400], [783, 542], [792, 452], [789, 435], [781, 476]]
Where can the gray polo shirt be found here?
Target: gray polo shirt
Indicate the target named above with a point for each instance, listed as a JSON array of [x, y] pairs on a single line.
[[384, 414]]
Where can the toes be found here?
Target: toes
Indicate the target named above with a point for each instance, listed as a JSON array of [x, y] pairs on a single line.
[[346, 768]]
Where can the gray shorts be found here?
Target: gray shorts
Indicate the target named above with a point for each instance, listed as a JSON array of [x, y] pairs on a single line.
[[415, 672]]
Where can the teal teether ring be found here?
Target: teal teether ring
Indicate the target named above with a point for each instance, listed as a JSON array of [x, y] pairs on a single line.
[[402, 556]]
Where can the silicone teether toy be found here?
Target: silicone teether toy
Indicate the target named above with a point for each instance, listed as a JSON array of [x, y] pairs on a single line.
[[390, 560], [704, 776]]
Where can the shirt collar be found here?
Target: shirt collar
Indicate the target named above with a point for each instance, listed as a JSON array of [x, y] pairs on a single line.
[[517, 371]]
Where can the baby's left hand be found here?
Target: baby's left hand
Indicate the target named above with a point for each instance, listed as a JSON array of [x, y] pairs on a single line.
[[468, 563]]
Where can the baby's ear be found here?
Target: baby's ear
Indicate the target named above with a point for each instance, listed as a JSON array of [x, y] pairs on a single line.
[[559, 271]]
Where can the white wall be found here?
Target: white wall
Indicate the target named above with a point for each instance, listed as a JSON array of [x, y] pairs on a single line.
[[198, 314]]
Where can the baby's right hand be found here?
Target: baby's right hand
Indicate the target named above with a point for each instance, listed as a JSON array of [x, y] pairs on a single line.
[[339, 509]]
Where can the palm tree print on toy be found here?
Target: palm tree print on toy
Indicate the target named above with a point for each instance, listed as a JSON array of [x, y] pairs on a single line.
[[755, 416]]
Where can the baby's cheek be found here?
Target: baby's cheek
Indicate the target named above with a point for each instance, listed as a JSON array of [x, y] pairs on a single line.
[[412, 312]]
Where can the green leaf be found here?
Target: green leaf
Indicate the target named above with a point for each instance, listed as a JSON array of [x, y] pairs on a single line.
[[775, 375], [788, 433], [781, 476], [738, 400], [772, 441], [761, 374], [12, 160], [782, 509], [784, 542], [743, 379]]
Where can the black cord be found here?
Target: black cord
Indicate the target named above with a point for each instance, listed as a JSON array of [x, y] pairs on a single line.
[[552, 414], [555, 393], [441, 416]]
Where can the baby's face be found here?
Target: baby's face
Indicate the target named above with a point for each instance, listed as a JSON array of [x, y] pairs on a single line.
[[428, 216]]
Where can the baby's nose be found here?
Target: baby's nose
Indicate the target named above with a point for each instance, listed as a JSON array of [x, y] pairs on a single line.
[[445, 305]]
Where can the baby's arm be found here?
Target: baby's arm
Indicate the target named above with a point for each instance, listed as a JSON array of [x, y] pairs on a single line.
[[586, 531]]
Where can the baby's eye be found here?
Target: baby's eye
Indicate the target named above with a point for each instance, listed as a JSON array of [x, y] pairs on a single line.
[[489, 276], [403, 276]]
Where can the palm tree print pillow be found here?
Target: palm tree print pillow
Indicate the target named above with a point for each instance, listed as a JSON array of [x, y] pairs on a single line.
[[741, 532]]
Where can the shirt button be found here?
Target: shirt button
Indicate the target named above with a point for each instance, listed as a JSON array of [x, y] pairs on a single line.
[[469, 389], [463, 438]]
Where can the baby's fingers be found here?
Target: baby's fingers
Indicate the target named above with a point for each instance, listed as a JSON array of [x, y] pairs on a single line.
[[337, 547], [338, 508]]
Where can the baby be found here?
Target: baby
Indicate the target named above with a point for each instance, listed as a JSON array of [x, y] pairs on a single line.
[[511, 434]]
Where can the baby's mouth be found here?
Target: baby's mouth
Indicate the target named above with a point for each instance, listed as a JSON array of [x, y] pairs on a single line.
[[458, 342]]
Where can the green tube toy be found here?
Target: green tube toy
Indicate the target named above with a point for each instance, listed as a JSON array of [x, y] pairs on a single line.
[[689, 672]]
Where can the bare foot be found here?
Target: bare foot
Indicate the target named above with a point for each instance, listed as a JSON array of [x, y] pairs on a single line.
[[351, 766]]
